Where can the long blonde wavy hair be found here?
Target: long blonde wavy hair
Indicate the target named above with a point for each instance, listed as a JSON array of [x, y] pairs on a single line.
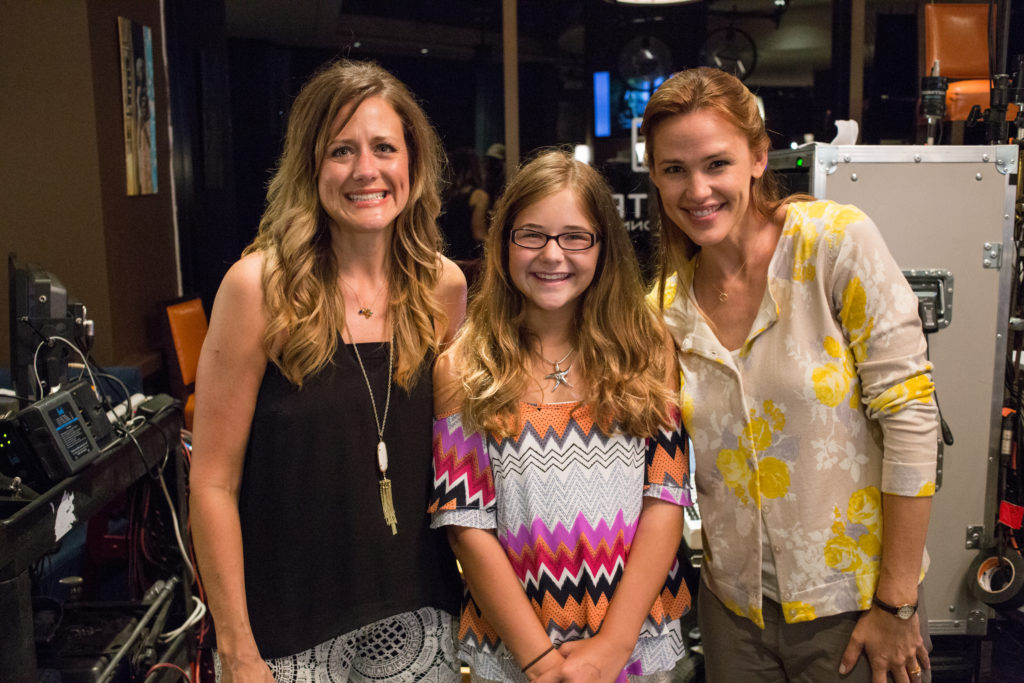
[[304, 304], [618, 340], [684, 93]]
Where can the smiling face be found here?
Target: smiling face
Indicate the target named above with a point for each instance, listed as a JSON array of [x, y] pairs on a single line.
[[551, 278], [363, 182], [703, 167]]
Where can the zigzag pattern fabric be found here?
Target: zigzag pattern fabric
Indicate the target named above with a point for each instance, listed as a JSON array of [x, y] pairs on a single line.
[[564, 497]]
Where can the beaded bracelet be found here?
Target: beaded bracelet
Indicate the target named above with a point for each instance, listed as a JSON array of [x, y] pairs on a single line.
[[537, 659]]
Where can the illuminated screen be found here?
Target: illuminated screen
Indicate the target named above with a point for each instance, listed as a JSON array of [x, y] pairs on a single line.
[[602, 102], [616, 104]]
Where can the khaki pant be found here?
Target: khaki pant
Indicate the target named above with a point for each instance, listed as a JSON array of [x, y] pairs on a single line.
[[735, 649]]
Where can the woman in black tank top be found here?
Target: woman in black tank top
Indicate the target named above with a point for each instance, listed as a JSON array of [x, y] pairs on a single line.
[[311, 464]]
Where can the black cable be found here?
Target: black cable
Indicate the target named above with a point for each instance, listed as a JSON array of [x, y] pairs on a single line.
[[154, 473], [127, 394], [28, 321], [947, 433], [101, 371], [126, 431], [23, 399], [168, 438]]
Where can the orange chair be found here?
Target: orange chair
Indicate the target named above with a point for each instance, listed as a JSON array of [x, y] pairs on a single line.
[[187, 322], [958, 35]]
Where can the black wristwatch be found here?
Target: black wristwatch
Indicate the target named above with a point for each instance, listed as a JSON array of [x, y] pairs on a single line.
[[903, 612]]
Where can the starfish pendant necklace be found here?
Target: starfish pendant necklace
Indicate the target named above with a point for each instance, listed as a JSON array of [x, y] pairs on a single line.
[[559, 375]]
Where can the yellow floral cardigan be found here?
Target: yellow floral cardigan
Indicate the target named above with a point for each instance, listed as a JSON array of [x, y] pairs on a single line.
[[827, 404]]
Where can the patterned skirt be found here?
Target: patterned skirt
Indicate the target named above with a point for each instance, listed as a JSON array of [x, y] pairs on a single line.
[[406, 648]]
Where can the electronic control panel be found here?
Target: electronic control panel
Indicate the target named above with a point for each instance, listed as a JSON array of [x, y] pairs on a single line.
[[54, 437]]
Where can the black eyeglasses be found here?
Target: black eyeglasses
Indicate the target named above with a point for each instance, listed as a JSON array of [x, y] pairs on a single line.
[[528, 238]]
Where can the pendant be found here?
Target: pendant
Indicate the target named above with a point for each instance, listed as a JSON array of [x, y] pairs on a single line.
[[388, 505], [365, 312], [560, 376], [386, 502]]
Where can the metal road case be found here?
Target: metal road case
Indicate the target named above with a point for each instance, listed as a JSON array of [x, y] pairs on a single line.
[[945, 208]]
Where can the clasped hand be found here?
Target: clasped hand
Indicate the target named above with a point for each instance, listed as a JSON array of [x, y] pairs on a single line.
[[587, 661]]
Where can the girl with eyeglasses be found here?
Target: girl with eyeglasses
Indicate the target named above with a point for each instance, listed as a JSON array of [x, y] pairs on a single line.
[[560, 465]]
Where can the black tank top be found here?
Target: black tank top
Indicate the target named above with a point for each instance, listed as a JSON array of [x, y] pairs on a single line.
[[319, 559]]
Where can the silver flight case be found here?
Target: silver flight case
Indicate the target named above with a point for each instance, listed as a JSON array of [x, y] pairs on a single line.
[[943, 208]]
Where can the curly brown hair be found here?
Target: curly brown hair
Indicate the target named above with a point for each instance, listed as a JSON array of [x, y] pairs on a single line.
[[304, 303]]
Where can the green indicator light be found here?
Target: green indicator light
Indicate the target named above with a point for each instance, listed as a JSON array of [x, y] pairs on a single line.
[[799, 162]]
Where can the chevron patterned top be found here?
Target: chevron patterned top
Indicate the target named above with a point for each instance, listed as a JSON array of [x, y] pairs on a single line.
[[564, 497]]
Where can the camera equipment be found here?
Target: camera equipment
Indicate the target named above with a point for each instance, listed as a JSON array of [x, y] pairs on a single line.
[[933, 100], [55, 437], [41, 312]]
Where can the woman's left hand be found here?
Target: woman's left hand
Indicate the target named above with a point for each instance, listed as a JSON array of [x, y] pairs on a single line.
[[589, 661], [891, 645]]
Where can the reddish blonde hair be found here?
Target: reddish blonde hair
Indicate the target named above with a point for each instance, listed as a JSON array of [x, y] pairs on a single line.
[[684, 93]]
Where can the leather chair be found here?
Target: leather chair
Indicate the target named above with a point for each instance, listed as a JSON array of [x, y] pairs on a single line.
[[958, 35], [187, 323]]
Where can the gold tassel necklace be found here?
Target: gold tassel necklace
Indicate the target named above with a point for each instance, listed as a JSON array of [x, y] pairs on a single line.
[[386, 501]]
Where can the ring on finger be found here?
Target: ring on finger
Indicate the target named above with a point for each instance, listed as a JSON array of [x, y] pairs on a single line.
[[915, 672]]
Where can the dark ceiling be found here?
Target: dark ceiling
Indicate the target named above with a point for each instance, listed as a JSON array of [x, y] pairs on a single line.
[[450, 29], [542, 19], [789, 50]]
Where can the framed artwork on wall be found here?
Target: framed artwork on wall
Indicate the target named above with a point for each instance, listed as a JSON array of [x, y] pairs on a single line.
[[137, 94]]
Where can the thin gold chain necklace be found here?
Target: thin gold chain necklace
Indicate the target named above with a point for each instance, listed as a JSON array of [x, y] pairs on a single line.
[[364, 311], [723, 295], [386, 501]]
